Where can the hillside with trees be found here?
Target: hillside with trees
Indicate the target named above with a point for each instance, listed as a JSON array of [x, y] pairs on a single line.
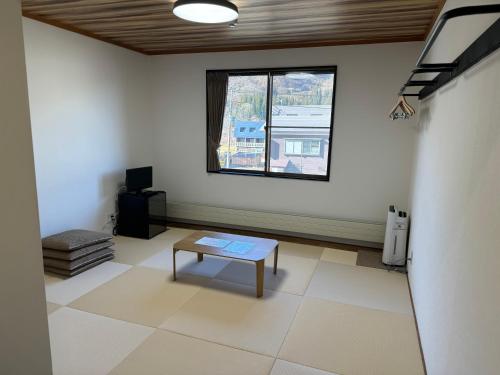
[[247, 95]]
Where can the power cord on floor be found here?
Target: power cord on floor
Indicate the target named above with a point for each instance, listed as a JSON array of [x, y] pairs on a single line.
[[397, 269]]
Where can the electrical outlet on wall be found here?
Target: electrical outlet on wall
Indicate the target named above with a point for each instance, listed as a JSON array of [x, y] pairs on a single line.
[[114, 221], [110, 222]]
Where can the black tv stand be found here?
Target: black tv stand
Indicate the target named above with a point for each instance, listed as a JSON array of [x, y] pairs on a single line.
[[142, 214], [148, 193]]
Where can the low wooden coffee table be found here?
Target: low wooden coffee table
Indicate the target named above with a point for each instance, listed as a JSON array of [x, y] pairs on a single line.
[[258, 252]]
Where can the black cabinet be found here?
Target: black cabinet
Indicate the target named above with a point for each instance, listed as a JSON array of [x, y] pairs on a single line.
[[142, 215]]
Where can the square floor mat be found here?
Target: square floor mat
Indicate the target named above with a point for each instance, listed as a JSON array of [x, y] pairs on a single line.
[[187, 262], [287, 368], [293, 275], [373, 259], [142, 295], [133, 251], [62, 290], [169, 353], [339, 256], [362, 286], [230, 314], [352, 340], [300, 250], [172, 235], [51, 307], [83, 343]]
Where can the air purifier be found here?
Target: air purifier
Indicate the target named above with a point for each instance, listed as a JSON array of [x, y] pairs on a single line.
[[396, 235]]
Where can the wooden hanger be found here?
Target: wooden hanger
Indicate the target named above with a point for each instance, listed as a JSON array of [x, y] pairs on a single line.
[[407, 105], [406, 108]]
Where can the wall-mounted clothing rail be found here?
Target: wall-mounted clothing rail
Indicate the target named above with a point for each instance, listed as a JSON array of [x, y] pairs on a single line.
[[487, 43]]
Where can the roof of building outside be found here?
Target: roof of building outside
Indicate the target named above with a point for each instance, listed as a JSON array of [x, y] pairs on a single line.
[[302, 116], [298, 116], [242, 129]]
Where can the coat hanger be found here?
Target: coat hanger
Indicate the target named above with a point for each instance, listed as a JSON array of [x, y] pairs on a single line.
[[404, 113], [408, 106], [406, 109]]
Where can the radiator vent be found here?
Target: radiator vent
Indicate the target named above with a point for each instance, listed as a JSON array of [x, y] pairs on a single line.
[[312, 227]]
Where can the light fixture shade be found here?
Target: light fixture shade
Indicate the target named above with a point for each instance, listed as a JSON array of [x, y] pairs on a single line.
[[206, 11]]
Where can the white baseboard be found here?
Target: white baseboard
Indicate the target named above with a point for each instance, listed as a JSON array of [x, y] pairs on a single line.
[[345, 231]]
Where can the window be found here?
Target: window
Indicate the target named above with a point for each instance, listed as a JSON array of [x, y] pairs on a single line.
[[311, 148], [306, 147], [278, 123], [293, 147]]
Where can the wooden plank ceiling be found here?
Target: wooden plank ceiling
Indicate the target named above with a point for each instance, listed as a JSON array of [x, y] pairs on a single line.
[[149, 26]]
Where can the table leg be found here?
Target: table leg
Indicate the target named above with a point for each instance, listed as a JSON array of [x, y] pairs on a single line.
[[275, 259], [175, 275], [260, 277], [200, 257]]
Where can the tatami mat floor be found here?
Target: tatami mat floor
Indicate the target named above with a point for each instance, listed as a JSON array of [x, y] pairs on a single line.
[[321, 314]]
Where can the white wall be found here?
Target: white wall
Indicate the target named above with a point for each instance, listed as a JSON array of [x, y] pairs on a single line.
[[90, 121], [92, 106], [24, 337], [455, 237], [371, 155]]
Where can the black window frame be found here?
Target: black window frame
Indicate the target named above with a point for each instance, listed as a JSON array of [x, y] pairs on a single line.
[[270, 73]]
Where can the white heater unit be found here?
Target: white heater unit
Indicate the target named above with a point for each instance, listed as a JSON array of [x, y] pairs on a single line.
[[396, 235]]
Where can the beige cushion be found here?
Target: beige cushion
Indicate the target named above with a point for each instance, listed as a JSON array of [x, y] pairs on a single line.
[[75, 254], [74, 239], [73, 264], [78, 270]]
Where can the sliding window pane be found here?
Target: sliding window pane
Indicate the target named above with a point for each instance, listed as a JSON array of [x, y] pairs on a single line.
[[243, 141], [301, 123], [299, 151]]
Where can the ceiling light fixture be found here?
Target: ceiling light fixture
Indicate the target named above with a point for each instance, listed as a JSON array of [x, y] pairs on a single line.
[[206, 11]]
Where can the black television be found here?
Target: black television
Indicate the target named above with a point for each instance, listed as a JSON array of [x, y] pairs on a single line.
[[139, 178]]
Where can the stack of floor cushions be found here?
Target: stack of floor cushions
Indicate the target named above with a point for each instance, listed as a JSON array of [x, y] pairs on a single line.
[[74, 251]]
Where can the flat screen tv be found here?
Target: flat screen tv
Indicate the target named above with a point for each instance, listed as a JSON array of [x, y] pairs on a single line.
[[139, 178]]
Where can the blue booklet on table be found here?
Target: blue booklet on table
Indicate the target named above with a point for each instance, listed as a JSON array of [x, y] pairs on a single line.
[[213, 242], [239, 247]]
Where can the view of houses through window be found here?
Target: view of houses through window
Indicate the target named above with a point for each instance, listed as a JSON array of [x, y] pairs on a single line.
[[243, 140], [300, 123]]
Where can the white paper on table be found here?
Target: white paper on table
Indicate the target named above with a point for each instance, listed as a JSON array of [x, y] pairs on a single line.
[[213, 242], [239, 247]]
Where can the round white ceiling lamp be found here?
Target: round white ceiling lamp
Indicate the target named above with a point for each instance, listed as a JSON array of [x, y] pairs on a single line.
[[206, 11]]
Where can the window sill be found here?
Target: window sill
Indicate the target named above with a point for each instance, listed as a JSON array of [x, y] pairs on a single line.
[[292, 176], [302, 155]]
